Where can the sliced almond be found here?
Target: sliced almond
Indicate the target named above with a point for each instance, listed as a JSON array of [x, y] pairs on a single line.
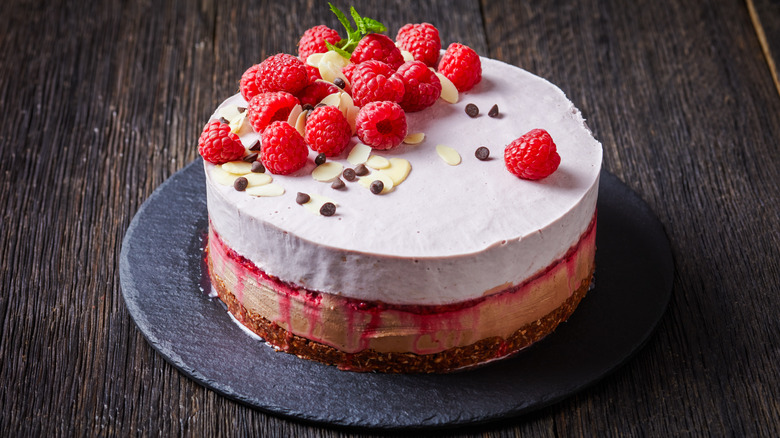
[[316, 202], [377, 162], [240, 125], [359, 154], [352, 114], [327, 171], [294, 113], [223, 177], [237, 167], [335, 58], [366, 181], [314, 59], [258, 179], [398, 171], [229, 112], [331, 99], [448, 91], [267, 190], [448, 154], [415, 138], [407, 55], [300, 124]]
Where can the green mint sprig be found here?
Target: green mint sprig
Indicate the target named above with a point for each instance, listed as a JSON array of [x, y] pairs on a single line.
[[363, 26]]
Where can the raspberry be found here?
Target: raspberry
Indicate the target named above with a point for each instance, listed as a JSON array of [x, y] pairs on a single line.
[[381, 125], [218, 145], [314, 73], [328, 131], [248, 85], [315, 92], [422, 87], [313, 41], [379, 47], [422, 41], [532, 156], [348, 70], [281, 72], [462, 66], [284, 150], [266, 108], [376, 81]]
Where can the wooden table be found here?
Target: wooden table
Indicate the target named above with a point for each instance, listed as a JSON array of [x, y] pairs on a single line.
[[101, 103]]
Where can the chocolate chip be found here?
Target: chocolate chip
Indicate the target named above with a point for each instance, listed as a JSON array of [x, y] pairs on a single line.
[[251, 158], [349, 174], [241, 109], [482, 153], [224, 120], [302, 198], [307, 107], [361, 170], [339, 83], [240, 184], [338, 184], [472, 110], [377, 187], [255, 146], [328, 209], [320, 159], [493, 111], [257, 167]]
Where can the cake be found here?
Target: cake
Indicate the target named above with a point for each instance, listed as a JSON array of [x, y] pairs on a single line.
[[459, 263]]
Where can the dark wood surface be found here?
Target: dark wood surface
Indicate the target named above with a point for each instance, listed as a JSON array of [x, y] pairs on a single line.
[[102, 102]]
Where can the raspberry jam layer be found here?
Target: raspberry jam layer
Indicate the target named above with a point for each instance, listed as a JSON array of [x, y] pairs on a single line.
[[351, 326]]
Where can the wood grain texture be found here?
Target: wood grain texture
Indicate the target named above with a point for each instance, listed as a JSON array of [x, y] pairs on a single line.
[[103, 102]]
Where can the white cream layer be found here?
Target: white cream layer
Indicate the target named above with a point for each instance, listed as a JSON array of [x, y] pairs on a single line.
[[447, 233]]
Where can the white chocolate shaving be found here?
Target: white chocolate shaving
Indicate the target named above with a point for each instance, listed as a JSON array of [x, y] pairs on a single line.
[[359, 154], [327, 171], [237, 167], [448, 154], [267, 190], [448, 90], [377, 162], [398, 171], [415, 138]]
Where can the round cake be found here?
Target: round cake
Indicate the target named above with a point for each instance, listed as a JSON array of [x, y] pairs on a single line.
[[458, 263]]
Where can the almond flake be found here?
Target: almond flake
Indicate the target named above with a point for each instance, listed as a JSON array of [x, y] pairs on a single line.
[[314, 59], [267, 190], [327, 171], [294, 113], [398, 171], [223, 177], [352, 114], [366, 181], [331, 99], [415, 138], [448, 154], [377, 162], [237, 167], [359, 154], [407, 55], [258, 179], [448, 91], [229, 112], [327, 71], [300, 124], [334, 58], [316, 202], [240, 125]]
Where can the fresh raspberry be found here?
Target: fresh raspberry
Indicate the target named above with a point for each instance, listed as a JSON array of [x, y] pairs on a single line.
[[218, 145], [313, 41], [284, 150], [328, 131], [266, 108], [314, 73], [422, 41], [532, 156], [379, 47], [248, 84], [348, 70], [381, 125], [281, 72], [315, 92], [422, 86], [376, 81], [462, 66]]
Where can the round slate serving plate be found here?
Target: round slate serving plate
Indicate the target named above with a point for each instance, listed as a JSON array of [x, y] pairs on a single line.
[[162, 282]]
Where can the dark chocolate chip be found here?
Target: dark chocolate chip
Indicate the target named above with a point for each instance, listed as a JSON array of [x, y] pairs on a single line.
[[240, 184], [349, 174], [328, 209], [493, 111], [307, 107], [224, 120], [302, 198], [251, 158], [257, 167], [482, 153], [320, 159], [339, 83], [377, 187], [472, 110], [338, 184], [361, 170], [241, 109], [255, 146]]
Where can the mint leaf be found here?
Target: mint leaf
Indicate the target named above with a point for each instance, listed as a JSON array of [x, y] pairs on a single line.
[[338, 50], [373, 26], [364, 26], [358, 20], [342, 18]]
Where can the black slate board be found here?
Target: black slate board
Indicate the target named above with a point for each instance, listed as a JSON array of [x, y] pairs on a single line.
[[162, 282]]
